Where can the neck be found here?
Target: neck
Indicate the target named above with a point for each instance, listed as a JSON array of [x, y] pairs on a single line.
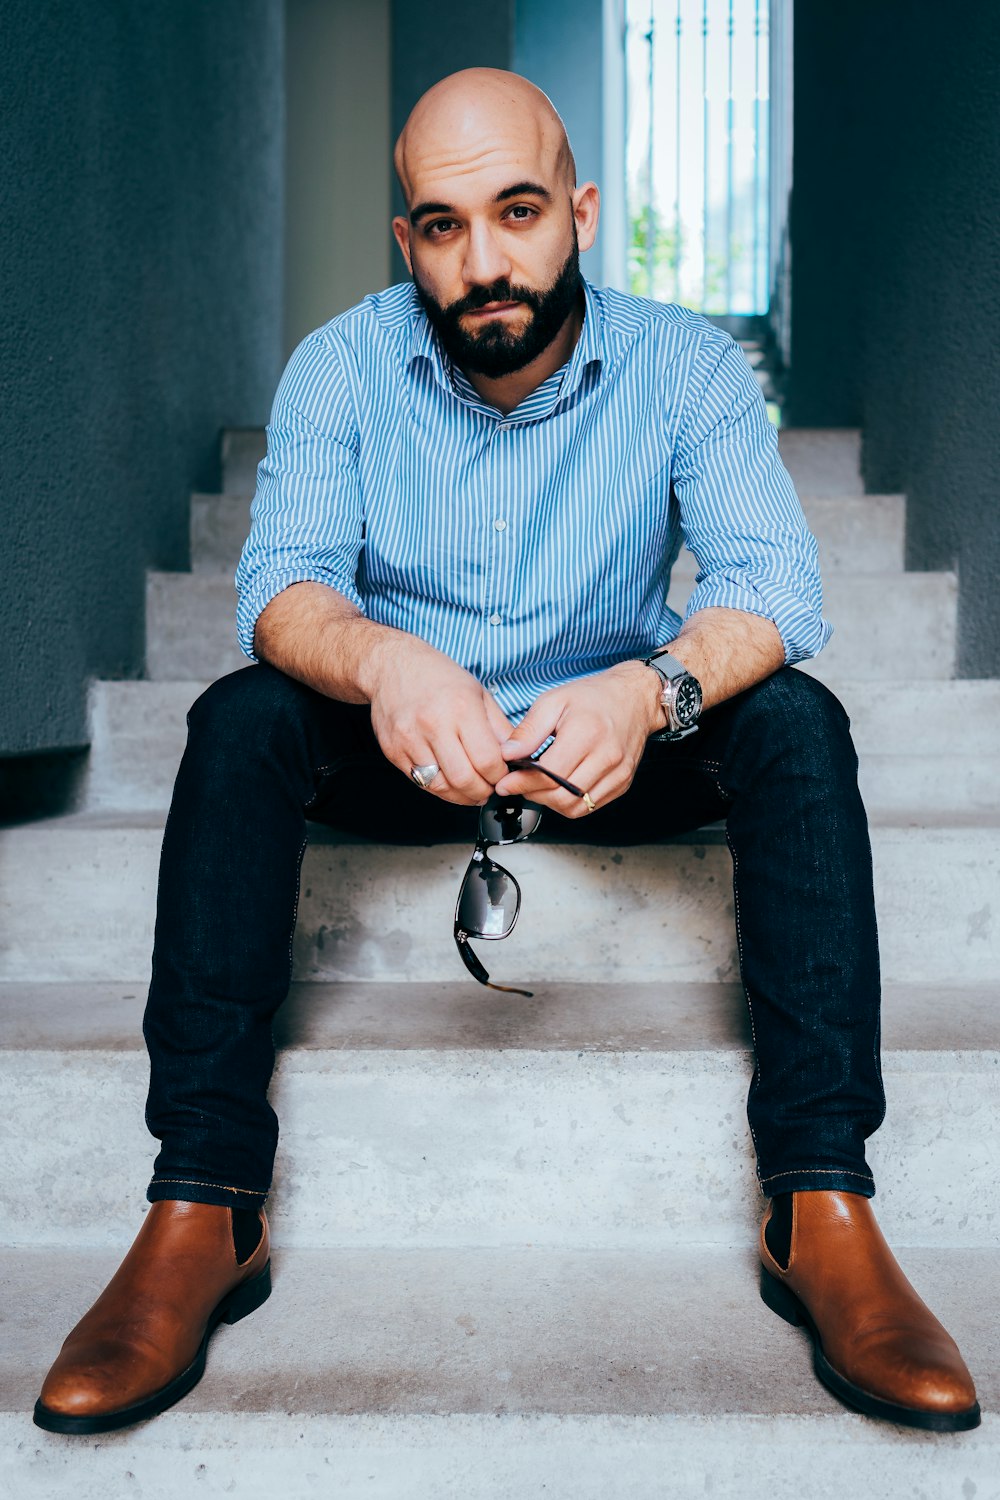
[[510, 390]]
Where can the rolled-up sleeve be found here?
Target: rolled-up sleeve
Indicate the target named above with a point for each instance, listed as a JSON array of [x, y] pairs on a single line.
[[739, 511], [306, 521]]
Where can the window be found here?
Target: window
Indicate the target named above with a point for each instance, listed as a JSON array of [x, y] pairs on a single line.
[[697, 149]]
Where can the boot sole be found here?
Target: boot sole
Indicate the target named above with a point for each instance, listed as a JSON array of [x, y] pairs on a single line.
[[239, 1303], [784, 1302]]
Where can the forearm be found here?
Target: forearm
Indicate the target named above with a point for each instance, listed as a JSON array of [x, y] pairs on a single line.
[[728, 651], [312, 633], [424, 707]]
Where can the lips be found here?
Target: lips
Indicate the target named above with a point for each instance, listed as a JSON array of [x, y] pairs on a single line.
[[492, 308]]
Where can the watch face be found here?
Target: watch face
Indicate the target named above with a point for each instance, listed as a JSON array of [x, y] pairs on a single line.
[[687, 704]]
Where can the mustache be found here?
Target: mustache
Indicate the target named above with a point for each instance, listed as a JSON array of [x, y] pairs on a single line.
[[499, 291]]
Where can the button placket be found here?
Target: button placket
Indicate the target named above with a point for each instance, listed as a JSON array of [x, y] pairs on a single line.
[[496, 601]]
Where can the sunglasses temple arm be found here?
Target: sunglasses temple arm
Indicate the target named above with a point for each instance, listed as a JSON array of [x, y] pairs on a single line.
[[536, 765], [477, 971]]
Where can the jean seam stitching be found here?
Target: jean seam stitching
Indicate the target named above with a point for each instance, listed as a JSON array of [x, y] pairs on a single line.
[[341, 762], [746, 992], [295, 908], [217, 1187], [819, 1172]]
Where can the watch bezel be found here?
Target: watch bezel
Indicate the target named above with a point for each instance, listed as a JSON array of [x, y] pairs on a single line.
[[687, 685], [671, 685]]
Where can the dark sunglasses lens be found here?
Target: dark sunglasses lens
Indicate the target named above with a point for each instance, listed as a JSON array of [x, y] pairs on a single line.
[[504, 822], [488, 904]]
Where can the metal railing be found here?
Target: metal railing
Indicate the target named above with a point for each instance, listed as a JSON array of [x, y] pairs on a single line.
[[697, 148]]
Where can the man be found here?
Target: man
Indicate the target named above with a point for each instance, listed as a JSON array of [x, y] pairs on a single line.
[[461, 544]]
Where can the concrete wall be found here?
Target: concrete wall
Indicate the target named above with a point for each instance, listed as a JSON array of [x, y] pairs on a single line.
[[141, 254], [337, 205], [895, 241]]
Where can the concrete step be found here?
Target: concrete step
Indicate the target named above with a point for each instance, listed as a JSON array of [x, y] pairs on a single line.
[[421, 1114], [862, 534], [77, 899], [900, 784], [137, 734], [484, 1375], [888, 626], [821, 460]]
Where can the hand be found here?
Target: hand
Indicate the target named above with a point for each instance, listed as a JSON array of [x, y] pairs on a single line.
[[601, 724], [427, 708]]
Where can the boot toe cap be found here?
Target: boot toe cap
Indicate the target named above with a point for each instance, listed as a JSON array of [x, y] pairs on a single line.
[[92, 1388]]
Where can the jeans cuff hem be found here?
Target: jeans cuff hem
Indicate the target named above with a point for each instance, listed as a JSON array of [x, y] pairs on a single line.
[[186, 1190], [818, 1179]]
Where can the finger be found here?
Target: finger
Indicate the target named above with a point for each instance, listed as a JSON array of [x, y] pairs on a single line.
[[407, 760], [496, 718], [534, 729], [593, 774], [464, 783], [482, 747], [422, 753], [571, 747]]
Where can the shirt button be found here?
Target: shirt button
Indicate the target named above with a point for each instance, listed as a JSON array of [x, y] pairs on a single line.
[[500, 524], [495, 619]]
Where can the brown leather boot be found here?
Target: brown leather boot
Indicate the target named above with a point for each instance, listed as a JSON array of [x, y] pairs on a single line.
[[141, 1347], [876, 1345]]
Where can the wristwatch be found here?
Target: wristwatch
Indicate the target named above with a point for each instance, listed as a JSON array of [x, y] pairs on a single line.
[[680, 695]]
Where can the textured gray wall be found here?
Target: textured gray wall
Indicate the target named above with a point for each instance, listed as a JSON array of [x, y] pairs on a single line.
[[337, 234], [141, 307], [895, 294]]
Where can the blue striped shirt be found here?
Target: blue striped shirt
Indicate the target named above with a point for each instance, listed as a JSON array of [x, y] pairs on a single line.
[[536, 547]]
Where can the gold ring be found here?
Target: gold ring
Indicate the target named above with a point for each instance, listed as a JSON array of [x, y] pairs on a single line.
[[591, 804]]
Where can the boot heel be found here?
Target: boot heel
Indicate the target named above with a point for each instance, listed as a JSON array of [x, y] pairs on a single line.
[[780, 1300], [248, 1297]]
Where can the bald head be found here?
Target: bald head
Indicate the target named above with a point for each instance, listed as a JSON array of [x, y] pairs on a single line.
[[473, 118], [494, 224]]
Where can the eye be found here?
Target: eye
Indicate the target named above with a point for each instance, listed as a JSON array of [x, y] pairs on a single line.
[[522, 212], [438, 226]]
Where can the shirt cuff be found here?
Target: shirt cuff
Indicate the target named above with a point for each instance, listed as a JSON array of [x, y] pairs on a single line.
[[268, 586], [801, 626]]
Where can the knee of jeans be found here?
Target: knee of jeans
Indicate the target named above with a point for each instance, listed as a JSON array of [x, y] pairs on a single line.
[[246, 706], [795, 711]]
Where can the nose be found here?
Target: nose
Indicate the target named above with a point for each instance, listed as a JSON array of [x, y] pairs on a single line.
[[485, 258]]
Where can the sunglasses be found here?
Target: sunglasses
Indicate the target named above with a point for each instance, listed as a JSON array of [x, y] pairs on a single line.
[[490, 898]]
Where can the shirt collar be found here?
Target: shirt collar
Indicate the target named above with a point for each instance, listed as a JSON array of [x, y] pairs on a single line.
[[589, 350]]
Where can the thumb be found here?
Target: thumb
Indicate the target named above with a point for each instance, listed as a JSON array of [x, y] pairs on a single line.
[[534, 729]]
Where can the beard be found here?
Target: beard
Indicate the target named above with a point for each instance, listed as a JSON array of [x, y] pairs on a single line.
[[499, 350]]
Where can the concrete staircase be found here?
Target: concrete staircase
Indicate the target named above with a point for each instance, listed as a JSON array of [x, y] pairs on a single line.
[[514, 1238]]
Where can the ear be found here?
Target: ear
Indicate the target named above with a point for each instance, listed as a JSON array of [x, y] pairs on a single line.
[[586, 200], [401, 229]]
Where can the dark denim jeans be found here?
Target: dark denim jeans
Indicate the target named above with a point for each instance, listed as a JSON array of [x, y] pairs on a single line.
[[776, 762]]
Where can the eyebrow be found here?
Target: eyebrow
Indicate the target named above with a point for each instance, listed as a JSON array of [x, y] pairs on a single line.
[[516, 190]]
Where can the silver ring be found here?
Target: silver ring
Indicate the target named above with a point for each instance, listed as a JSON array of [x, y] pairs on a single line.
[[424, 775]]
